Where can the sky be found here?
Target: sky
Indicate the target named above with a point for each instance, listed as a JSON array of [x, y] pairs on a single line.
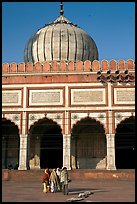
[[110, 24]]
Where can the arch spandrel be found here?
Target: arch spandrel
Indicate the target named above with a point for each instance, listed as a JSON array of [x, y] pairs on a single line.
[[75, 117], [101, 117], [4, 119], [89, 119], [15, 118], [121, 116], [56, 117], [34, 118], [40, 121], [125, 119]]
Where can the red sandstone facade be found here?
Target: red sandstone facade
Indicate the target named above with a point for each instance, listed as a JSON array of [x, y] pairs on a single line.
[[68, 94]]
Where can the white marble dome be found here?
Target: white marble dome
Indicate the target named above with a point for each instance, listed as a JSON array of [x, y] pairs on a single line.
[[60, 40]]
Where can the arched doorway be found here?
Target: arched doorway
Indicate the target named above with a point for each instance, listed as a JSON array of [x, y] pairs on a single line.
[[125, 144], [46, 144], [88, 145], [10, 144]]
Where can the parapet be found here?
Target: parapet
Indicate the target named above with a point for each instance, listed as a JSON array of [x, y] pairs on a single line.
[[66, 67]]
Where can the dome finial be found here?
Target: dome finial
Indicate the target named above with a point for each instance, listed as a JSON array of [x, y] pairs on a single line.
[[61, 8]]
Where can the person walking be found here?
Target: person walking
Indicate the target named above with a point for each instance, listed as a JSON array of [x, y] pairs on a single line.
[[45, 180], [53, 181], [64, 180]]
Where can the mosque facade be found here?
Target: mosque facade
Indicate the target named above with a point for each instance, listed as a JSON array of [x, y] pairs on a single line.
[[63, 107]]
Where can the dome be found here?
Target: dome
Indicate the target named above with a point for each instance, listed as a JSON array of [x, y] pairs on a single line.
[[60, 40]]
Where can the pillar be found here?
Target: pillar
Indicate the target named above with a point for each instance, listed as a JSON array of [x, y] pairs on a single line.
[[111, 152], [23, 152], [110, 136], [67, 151]]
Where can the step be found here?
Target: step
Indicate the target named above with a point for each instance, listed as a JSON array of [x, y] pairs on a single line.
[[36, 175]]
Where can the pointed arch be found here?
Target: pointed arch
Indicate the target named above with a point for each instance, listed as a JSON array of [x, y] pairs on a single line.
[[10, 144], [88, 144], [46, 144], [125, 144]]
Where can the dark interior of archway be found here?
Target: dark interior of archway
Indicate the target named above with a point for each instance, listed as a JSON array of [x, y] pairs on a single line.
[[88, 125], [93, 133], [51, 153], [10, 144], [51, 144], [125, 144]]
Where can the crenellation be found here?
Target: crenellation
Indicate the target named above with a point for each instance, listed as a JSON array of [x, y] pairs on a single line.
[[54, 66], [63, 66], [21, 67], [13, 67], [130, 64], [29, 67], [96, 66], [121, 65], [38, 67], [79, 66], [5, 68], [87, 65], [71, 66], [46, 67], [113, 65], [104, 65]]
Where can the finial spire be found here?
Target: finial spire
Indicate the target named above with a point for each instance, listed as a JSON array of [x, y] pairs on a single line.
[[61, 8]]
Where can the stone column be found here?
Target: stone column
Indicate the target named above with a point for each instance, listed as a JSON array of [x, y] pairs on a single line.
[[67, 151], [23, 152], [111, 152], [110, 136]]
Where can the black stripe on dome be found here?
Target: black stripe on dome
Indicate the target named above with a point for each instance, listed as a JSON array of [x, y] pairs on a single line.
[[37, 38], [52, 44], [60, 46], [89, 49], [44, 44], [26, 53], [30, 57], [32, 53], [75, 46], [83, 47], [68, 45]]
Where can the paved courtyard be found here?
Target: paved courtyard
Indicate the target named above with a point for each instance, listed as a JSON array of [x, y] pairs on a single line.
[[109, 190]]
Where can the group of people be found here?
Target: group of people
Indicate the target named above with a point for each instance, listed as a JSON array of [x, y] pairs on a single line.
[[55, 180]]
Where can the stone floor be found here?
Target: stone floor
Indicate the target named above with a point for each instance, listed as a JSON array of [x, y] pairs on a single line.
[[103, 190]]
